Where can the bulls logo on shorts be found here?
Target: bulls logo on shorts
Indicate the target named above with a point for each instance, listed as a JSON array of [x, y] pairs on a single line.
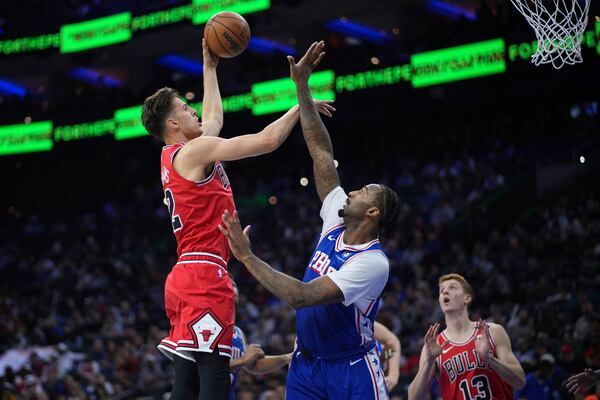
[[206, 329]]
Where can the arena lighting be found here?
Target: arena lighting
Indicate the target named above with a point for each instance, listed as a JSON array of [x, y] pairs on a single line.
[[450, 10], [10, 89], [265, 46], [180, 63], [94, 78], [358, 31]]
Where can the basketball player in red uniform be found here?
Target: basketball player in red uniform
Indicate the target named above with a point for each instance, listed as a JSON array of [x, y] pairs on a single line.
[[199, 297], [473, 360]]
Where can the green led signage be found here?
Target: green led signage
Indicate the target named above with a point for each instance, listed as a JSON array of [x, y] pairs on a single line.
[[95, 33], [84, 131], [128, 123], [26, 138], [160, 18], [204, 9], [458, 63], [27, 44], [280, 94], [370, 79]]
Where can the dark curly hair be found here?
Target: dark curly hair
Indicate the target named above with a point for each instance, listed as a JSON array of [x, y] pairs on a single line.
[[388, 203]]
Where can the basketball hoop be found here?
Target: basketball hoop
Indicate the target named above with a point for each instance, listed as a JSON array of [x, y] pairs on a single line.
[[559, 26]]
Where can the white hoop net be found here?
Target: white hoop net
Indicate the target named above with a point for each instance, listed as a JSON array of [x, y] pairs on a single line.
[[559, 26]]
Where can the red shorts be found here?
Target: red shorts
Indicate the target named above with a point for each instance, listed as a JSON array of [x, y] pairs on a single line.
[[200, 304]]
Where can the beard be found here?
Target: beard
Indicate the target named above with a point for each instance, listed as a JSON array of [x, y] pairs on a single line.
[[341, 213]]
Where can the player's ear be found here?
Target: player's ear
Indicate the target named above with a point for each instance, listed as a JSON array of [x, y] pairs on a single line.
[[172, 123], [373, 212], [468, 299]]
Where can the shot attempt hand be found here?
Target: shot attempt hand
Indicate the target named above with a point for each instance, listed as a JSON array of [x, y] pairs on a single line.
[[210, 60], [300, 72], [239, 241]]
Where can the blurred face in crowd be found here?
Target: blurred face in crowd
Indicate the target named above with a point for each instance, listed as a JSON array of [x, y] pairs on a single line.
[[184, 118], [236, 291], [362, 203], [452, 296]]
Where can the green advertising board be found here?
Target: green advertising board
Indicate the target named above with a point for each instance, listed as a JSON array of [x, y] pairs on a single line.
[[280, 94], [128, 123], [204, 9], [26, 138], [458, 63], [95, 33]]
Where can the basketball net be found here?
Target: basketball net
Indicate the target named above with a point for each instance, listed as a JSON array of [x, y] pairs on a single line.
[[559, 26]]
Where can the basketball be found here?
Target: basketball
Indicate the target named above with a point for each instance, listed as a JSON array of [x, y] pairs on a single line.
[[227, 34]]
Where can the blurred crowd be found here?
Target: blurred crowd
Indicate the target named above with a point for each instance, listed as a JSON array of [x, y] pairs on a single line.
[[82, 285]]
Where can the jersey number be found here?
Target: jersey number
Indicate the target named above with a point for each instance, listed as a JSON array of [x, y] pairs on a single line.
[[175, 220], [481, 383]]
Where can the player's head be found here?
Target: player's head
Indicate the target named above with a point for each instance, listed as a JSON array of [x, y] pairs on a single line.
[[375, 203], [455, 293], [166, 113]]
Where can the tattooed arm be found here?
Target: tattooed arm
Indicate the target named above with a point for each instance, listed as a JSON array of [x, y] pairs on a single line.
[[314, 131], [296, 293]]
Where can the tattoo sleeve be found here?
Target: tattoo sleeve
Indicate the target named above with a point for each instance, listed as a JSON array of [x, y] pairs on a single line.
[[294, 292], [318, 141]]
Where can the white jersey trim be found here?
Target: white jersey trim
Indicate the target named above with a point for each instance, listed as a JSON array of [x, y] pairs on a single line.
[[199, 253], [461, 343], [202, 262]]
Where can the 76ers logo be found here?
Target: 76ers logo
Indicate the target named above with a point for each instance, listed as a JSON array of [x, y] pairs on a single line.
[[320, 263]]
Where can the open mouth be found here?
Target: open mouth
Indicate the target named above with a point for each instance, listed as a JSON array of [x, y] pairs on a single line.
[[446, 300]]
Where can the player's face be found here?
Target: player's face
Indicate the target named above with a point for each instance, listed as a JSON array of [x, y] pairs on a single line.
[[361, 202], [452, 296], [187, 119]]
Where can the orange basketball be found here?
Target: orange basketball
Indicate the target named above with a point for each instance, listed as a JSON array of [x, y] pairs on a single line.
[[227, 34]]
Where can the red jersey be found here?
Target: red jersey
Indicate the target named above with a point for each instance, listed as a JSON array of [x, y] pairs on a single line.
[[196, 209], [463, 375]]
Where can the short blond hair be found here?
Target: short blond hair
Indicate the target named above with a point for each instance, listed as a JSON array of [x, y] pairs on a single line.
[[461, 279]]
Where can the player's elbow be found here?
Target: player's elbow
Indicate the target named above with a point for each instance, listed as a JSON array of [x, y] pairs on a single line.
[[520, 383], [271, 140]]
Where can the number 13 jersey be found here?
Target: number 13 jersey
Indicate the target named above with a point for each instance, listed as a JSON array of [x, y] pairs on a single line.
[[464, 375]]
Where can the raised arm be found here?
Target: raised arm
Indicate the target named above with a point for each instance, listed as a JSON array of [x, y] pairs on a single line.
[[314, 131], [421, 383], [195, 155], [212, 108], [391, 347], [505, 364]]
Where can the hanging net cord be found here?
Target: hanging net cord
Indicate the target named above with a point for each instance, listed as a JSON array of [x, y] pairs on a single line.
[[559, 29]]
